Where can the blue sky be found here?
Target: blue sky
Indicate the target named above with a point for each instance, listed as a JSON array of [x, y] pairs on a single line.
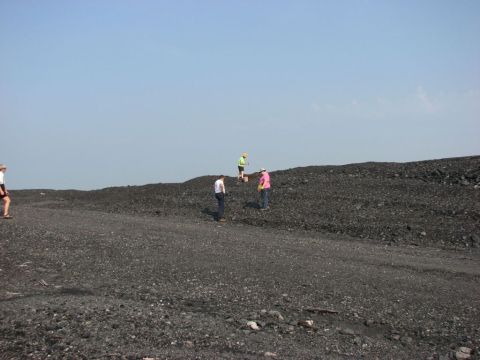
[[105, 93]]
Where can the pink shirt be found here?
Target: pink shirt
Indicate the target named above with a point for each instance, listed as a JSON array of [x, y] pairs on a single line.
[[265, 180]]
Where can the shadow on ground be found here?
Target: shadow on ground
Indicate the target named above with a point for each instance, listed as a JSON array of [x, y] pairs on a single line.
[[213, 214], [251, 205]]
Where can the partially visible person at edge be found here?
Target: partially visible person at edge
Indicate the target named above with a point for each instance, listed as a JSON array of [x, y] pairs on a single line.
[[4, 195], [264, 188], [220, 196], [242, 162]]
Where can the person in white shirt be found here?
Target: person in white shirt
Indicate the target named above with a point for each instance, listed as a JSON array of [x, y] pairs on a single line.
[[4, 195], [220, 196]]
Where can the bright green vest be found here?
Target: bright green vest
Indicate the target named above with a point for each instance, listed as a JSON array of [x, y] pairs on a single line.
[[241, 161]]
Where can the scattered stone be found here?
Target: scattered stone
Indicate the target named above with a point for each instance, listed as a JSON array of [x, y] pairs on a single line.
[[459, 355], [188, 344], [423, 233], [306, 323], [253, 325], [270, 354], [465, 350]]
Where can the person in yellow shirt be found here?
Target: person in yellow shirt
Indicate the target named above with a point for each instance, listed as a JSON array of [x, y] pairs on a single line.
[[242, 162]]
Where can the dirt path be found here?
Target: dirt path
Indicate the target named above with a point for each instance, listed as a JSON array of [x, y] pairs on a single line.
[[96, 285]]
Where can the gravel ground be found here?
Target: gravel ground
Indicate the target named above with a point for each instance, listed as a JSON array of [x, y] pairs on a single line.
[[144, 272]]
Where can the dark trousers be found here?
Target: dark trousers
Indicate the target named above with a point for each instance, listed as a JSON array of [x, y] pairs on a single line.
[[264, 196], [221, 204]]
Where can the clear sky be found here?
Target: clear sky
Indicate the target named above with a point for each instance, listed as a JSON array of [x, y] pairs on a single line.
[[98, 93]]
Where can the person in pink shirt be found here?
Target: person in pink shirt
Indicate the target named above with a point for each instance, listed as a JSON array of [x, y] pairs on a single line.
[[264, 188]]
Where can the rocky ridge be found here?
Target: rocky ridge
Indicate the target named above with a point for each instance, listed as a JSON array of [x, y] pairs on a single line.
[[425, 203]]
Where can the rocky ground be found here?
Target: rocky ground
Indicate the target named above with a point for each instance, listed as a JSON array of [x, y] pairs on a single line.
[[362, 261], [427, 203]]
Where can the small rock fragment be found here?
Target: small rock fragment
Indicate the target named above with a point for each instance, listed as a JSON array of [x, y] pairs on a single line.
[[306, 323], [253, 325], [461, 355], [270, 354]]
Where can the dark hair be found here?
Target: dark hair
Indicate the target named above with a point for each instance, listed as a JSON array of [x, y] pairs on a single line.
[[221, 176]]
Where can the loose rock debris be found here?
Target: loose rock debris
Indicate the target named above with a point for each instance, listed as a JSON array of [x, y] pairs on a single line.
[[329, 272], [424, 203]]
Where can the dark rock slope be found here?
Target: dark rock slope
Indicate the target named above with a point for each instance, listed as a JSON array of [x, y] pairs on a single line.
[[426, 203]]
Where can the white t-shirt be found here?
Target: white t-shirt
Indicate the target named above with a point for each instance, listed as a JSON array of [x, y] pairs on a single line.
[[1, 178], [219, 186]]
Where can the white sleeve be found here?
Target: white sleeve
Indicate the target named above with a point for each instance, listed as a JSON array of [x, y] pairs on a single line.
[[1, 178]]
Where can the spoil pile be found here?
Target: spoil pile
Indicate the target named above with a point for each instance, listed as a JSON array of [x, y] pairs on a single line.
[[149, 275], [425, 203]]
